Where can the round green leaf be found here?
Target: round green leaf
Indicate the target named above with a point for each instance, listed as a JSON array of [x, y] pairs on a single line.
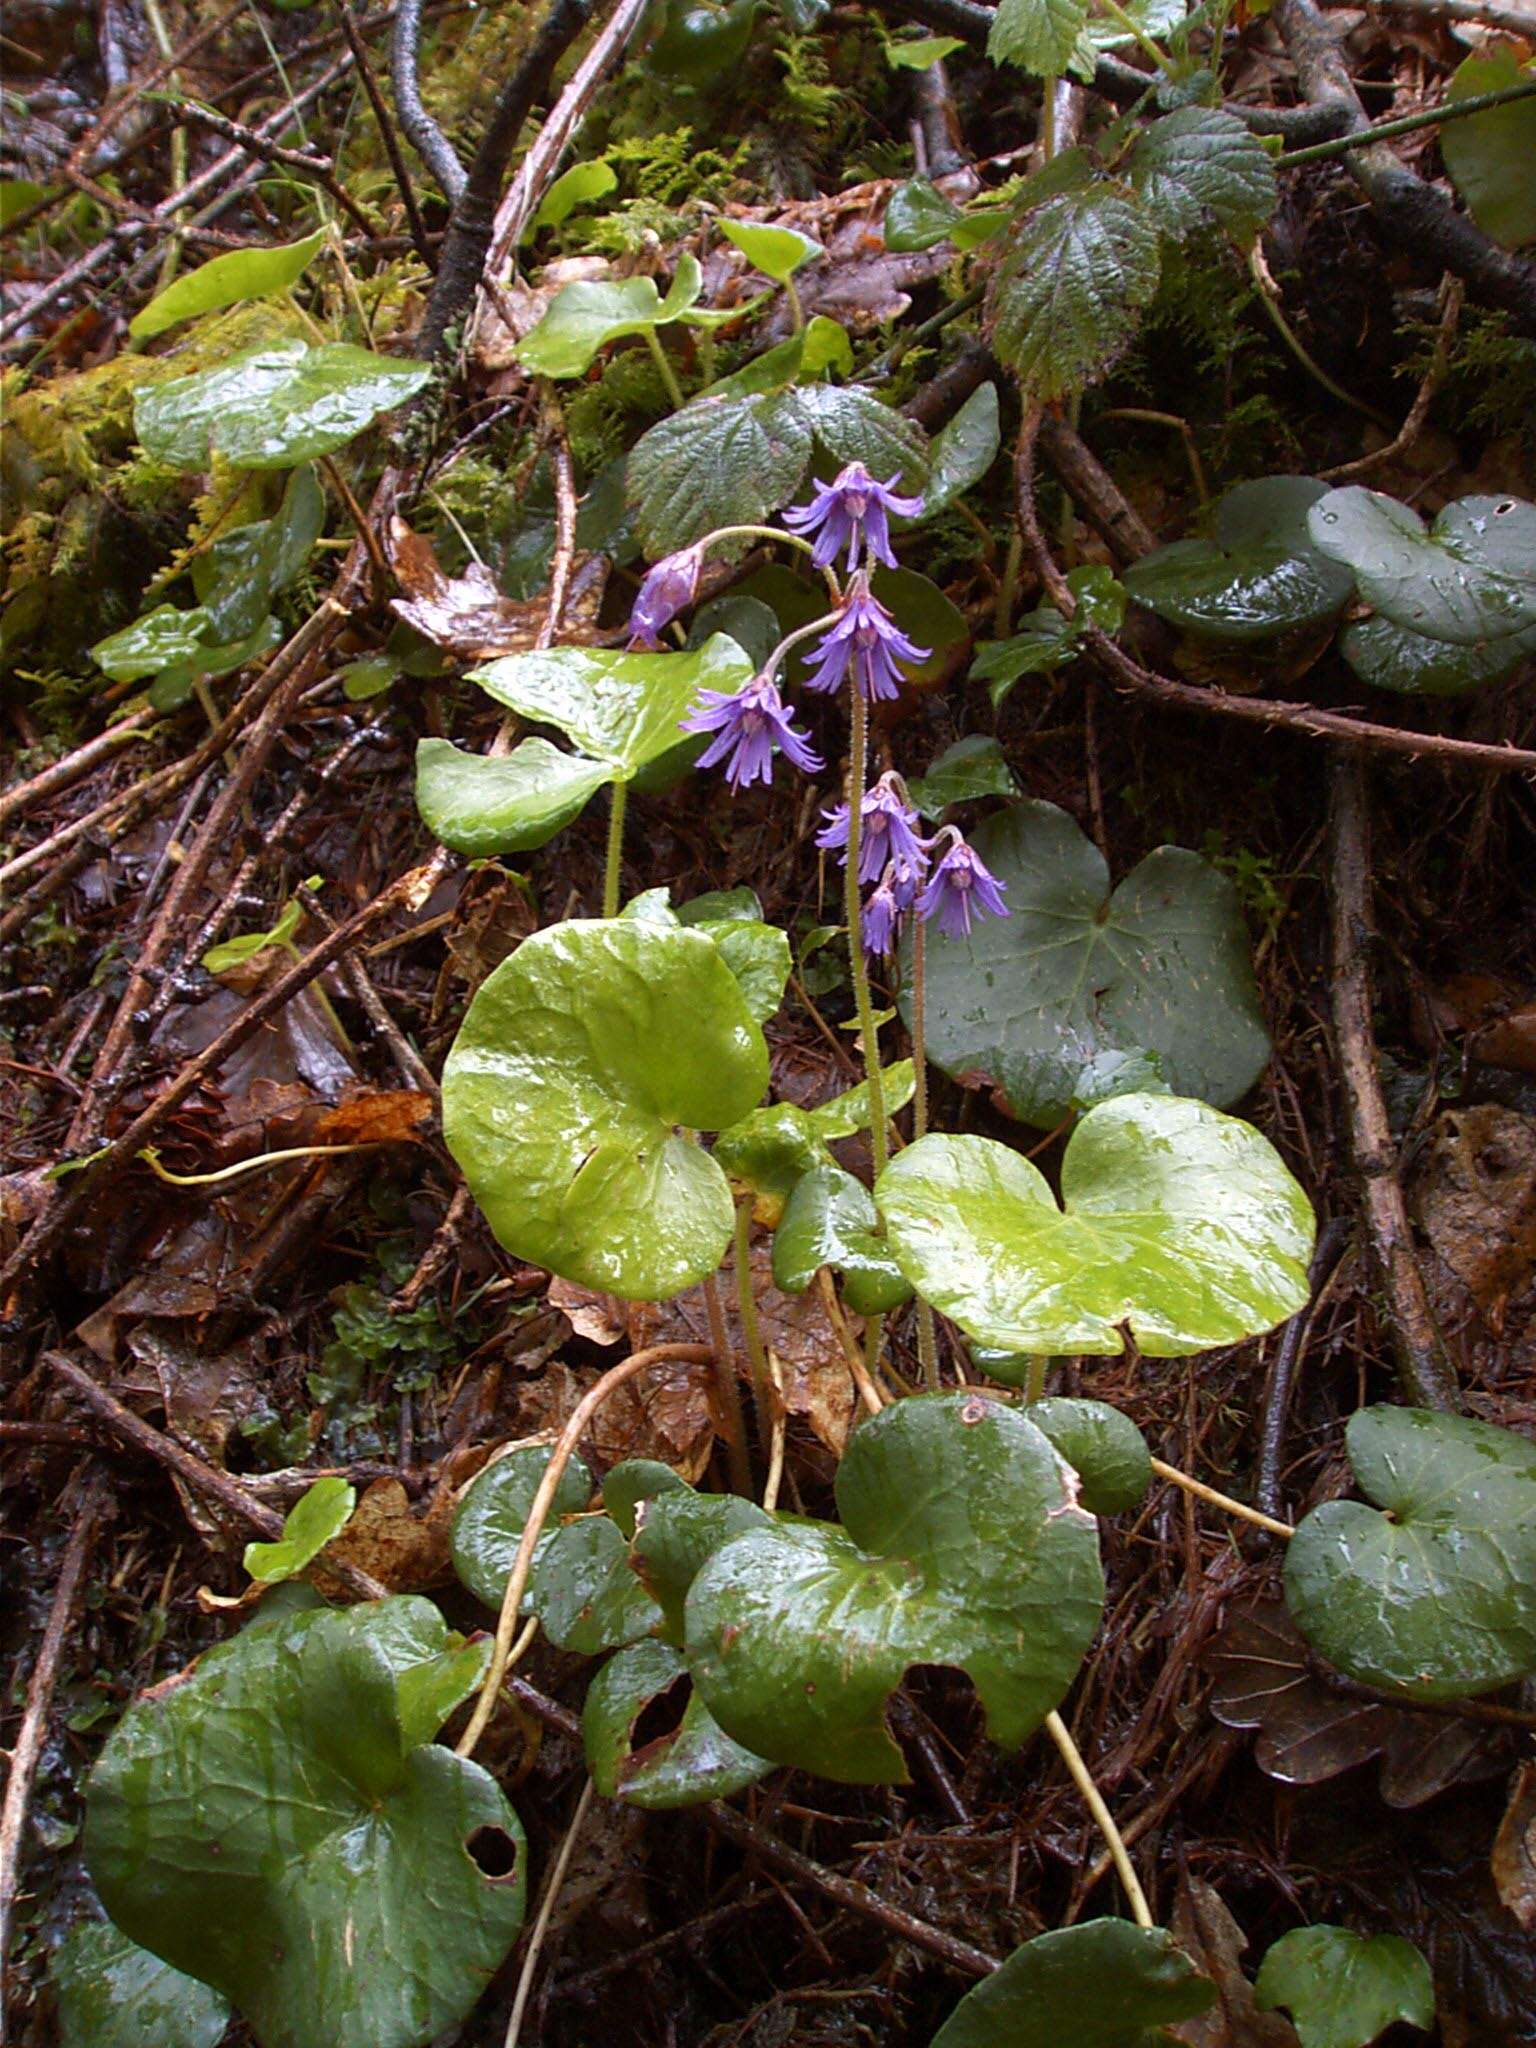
[[621, 709], [1469, 577], [270, 1822], [584, 1592], [1179, 1221], [1260, 575], [1344, 1989], [492, 1512], [1030, 1000], [918, 216], [478, 805], [676, 1532], [772, 1149], [584, 317], [1102, 1445], [961, 1543], [1435, 1593], [322, 1513], [1102, 1984], [578, 1060], [962, 452], [694, 1761], [114, 1994], [227, 281], [1391, 658], [270, 407], [777, 252], [634, 1481], [1489, 154], [830, 1220]]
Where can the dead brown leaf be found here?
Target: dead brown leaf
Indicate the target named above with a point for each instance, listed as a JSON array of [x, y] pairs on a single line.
[[387, 1118], [1208, 1934], [1514, 1850], [1473, 1194], [469, 617], [405, 1551]]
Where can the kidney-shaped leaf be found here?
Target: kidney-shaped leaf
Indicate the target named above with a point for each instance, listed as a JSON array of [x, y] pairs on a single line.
[[1103, 1984], [1469, 577], [1260, 574], [270, 407], [271, 1820], [1344, 1989], [771, 1150], [479, 805], [690, 1760], [227, 280], [1179, 1221], [675, 1533], [577, 1063], [584, 317], [1389, 657], [830, 1220], [961, 1543], [1102, 1445], [1433, 1590], [1030, 1000], [493, 1509], [114, 1994], [309, 1525]]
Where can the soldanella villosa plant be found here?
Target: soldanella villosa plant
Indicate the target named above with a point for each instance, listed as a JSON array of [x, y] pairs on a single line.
[[605, 1099]]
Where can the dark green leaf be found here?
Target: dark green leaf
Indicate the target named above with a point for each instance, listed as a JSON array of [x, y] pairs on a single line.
[[1202, 164], [1470, 577], [1073, 286], [962, 452], [1260, 575], [1489, 155], [971, 768], [1343, 1989], [1103, 1446], [692, 1762], [114, 1994], [1103, 1984], [722, 461], [830, 1220], [676, 1533], [918, 216], [493, 1510], [1391, 658]]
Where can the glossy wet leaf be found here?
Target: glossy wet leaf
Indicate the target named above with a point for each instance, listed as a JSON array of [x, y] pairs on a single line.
[[1153, 17], [690, 1763], [114, 1994], [918, 216], [960, 1544], [323, 1512], [1201, 165], [1160, 964], [578, 1060], [969, 769], [850, 424], [578, 186], [721, 461], [1469, 577], [1040, 36], [769, 1151], [618, 708], [267, 1822], [273, 406], [1072, 288], [777, 252], [1101, 1984], [584, 1592], [1344, 1989], [177, 643], [921, 51], [830, 1220], [1389, 657], [1119, 1073], [584, 317], [492, 1513], [757, 953], [481, 806], [1432, 1590], [962, 451], [1489, 155], [1259, 575], [1102, 1445], [1174, 1219], [676, 1532], [255, 273]]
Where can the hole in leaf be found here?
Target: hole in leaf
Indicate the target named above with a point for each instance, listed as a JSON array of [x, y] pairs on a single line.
[[661, 1717], [493, 1852]]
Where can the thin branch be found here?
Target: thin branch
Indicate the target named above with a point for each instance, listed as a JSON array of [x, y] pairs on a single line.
[[431, 144], [387, 134], [302, 161]]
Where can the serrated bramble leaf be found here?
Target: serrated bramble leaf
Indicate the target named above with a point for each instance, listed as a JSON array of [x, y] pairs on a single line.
[[722, 461], [1040, 36], [1201, 164], [1076, 279]]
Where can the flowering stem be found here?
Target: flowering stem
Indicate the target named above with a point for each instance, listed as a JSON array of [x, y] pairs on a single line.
[[668, 374], [746, 1302], [618, 794], [790, 540], [858, 762], [775, 660], [927, 1339]]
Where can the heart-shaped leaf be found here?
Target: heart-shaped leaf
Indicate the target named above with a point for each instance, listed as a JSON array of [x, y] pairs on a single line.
[[583, 318], [1260, 574], [971, 768], [962, 452], [114, 1994], [1102, 1445], [1391, 658], [479, 805], [270, 1821], [675, 1534], [178, 645], [270, 407], [757, 953], [492, 1512], [1030, 1000], [1344, 1989], [1201, 164], [777, 252], [830, 1220], [255, 273], [323, 1512], [1433, 1590], [1102, 1984], [1176, 1220], [1469, 577], [1076, 278], [579, 1059], [961, 1544], [686, 1763]]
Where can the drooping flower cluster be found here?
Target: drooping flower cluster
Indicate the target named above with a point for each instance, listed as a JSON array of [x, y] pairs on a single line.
[[955, 888], [864, 641], [748, 723], [851, 511]]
